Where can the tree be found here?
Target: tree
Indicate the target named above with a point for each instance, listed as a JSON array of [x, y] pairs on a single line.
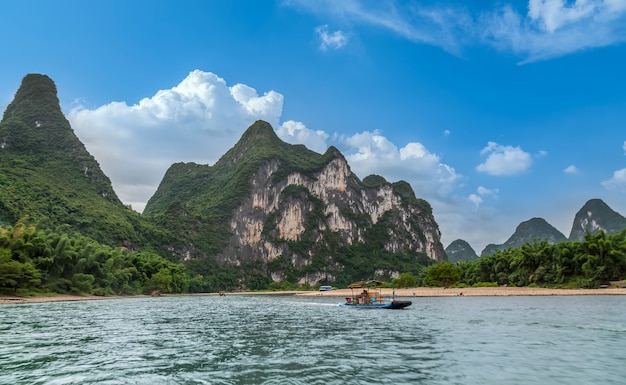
[[442, 274], [15, 274], [405, 280]]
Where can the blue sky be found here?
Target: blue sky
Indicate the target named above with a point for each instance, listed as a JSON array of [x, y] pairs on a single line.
[[495, 111]]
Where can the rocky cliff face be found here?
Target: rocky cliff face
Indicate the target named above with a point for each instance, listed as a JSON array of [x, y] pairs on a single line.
[[299, 210], [275, 214]]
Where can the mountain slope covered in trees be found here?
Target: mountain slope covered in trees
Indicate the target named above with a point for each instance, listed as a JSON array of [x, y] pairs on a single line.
[[47, 175]]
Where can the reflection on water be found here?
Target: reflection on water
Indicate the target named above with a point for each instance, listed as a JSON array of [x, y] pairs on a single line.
[[294, 340]]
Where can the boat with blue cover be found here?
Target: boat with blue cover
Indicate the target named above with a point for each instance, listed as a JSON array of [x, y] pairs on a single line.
[[369, 297]]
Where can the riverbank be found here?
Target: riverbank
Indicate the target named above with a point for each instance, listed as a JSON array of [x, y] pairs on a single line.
[[476, 291], [410, 292]]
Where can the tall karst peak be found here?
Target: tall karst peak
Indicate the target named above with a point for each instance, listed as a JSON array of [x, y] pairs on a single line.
[[257, 140], [293, 212], [34, 122], [534, 229], [460, 250], [595, 215], [37, 91], [47, 174]]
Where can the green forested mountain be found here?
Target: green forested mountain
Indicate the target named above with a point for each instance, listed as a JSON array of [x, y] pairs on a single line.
[[595, 216], [281, 212], [535, 229], [460, 250], [202, 198], [47, 175]]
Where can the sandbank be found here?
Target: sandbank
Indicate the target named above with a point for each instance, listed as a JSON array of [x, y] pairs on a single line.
[[476, 291], [410, 292]]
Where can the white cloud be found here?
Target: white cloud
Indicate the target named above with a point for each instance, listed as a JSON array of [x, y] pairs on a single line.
[[542, 30], [332, 40], [477, 199], [624, 147], [617, 182], [371, 153], [483, 191], [297, 133], [446, 132], [504, 160], [554, 14], [197, 120], [571, 170]]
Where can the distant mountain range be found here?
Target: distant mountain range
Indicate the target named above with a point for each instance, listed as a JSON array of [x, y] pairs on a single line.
[[594, 216]]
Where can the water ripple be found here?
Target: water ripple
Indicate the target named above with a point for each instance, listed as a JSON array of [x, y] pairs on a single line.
[[292, 340]]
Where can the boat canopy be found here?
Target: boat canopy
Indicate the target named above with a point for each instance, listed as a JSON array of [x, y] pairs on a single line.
[[366, 284]]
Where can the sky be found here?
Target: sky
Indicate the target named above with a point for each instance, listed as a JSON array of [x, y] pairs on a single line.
[[495, 112]]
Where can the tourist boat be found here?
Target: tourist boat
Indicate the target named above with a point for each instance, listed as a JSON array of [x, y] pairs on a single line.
[[369, 297]]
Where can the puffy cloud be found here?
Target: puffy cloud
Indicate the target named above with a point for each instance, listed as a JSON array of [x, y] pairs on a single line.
[[197, 120], [371, 153], [477, 199], [548, 28], [624, 147], [617, 182], [332, 40], [297, 133], [504, 160], [571, 170], [483, 191]]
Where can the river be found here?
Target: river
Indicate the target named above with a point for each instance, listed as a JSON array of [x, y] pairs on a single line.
[[270, 339]]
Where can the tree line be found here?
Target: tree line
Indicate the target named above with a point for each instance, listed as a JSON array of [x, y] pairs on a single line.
[[596, 260], [37, 261]]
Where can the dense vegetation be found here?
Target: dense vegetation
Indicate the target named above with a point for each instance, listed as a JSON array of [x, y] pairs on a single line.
[[40, 261], [43, 261], [596, 260], [63, 229], [46, 172], [195, 202]]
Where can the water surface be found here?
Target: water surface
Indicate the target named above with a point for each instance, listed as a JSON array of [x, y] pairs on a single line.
[[310, 340]]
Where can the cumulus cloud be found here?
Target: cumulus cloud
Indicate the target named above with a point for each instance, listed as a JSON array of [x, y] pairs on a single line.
[[543, 29], [617, 182], [297, 133], [571, 170], [477, 198], [483, 191], [504, 160], [197, 120], [372, 153], [332, 40]]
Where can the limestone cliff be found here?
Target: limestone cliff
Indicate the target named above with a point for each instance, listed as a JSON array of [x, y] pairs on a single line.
[[299, 215]]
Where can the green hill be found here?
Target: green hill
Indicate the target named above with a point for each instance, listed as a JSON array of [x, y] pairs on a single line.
[[47, 175]]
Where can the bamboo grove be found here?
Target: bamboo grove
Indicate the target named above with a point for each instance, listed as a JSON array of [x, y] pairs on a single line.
[[596, 260]]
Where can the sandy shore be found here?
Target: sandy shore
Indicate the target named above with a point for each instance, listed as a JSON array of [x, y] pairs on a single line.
[[476, 291], [411, 292], [8, 299]]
